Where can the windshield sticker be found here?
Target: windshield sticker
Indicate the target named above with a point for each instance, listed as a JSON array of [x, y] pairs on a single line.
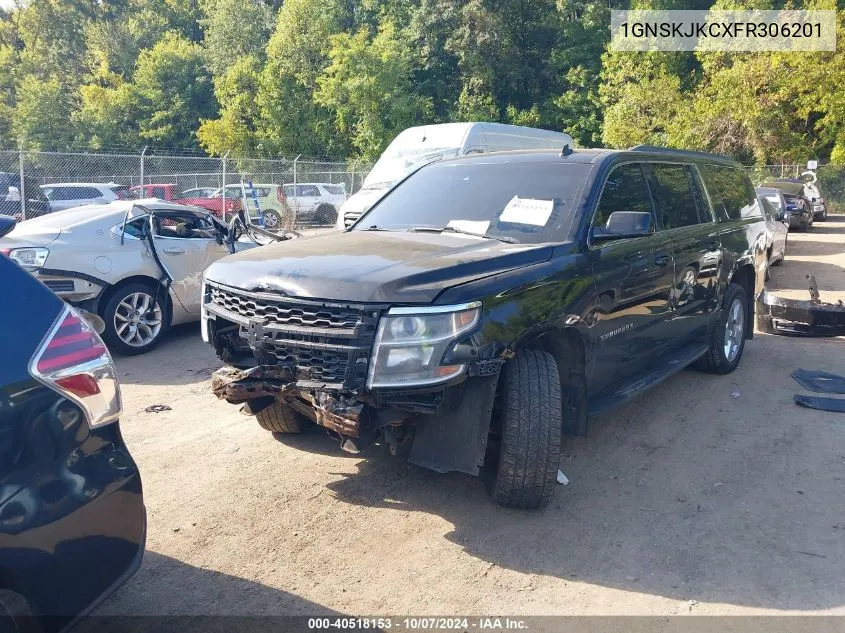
[[527, 211], [470, 226]]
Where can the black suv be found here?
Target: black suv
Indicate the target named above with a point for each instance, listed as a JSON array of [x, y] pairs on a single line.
[[72, 517], [489, 304]]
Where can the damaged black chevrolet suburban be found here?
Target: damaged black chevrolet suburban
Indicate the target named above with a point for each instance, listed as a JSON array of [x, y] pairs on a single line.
[[488, 305]]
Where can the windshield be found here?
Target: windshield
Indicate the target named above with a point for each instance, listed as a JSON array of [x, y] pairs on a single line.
[[522, 202], [395, 165]]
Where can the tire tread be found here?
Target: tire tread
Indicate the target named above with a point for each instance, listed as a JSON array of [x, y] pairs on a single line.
[[532, 425]]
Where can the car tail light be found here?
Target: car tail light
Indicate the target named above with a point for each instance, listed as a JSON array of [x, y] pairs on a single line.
[[280, 194], [74, 361], [5, 251]]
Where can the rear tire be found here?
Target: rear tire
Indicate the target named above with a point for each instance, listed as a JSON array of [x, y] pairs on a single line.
[[281, 418], [325, 215], [531, 427], [272, 220], [726, 343], [822, 217], [120, 307]]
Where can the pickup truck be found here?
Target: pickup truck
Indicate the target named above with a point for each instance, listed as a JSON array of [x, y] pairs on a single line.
[[170, 193], [491, 304]]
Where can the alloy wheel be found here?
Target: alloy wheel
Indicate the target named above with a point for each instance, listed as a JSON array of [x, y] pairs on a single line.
[[734, 329], [138, 319]]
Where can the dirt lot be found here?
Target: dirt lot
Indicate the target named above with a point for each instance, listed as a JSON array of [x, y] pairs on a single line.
[[709, 495]]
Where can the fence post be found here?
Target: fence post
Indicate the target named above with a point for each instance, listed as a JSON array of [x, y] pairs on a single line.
[[22, 191], [223, 186], [143, 153], [295, 200], [352, 183]]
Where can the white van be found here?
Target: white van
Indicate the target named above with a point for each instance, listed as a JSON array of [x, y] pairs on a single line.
[[417, 146]]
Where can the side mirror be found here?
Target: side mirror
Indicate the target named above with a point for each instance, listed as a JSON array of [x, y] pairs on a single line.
[[782, 216], [7, 223], [624, 224]]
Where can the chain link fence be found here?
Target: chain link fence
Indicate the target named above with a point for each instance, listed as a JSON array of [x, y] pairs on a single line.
[[289, 193]]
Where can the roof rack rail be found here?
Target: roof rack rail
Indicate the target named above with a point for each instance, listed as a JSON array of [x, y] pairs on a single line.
[[687, 152]]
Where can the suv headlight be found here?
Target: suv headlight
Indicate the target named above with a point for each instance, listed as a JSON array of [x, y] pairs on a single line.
[[411, 342], [29, 258]]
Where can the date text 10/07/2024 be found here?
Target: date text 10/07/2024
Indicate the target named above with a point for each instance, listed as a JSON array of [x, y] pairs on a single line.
[[419, 624]]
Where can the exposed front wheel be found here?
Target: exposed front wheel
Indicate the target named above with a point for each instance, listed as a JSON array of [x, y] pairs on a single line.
[[531, 425], [281, 418], [136, 319], [727, 339]]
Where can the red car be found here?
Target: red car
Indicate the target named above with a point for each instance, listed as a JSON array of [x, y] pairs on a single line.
[[192, 197]]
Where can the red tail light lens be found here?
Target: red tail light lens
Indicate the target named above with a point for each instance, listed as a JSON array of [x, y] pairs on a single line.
[[73, 361], [280, 194], [5, 251]]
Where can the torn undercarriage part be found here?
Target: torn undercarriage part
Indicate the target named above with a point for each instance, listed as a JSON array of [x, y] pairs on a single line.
[[819, 381], [794, 317], [835, 405], [341, 414]]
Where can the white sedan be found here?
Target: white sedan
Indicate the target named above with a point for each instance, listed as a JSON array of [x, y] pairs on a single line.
[[138, 264]]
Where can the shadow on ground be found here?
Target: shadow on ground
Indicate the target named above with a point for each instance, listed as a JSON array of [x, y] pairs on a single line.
[[165, 586], [810, 248], [744, 509], [180, 359]]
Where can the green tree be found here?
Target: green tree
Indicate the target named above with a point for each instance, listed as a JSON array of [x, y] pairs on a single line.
[[234, 29], [290, 122], [235, 129], [368, 87]]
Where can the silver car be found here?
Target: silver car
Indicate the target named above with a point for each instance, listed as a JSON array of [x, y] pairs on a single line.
[[138, 264], [66, 195]]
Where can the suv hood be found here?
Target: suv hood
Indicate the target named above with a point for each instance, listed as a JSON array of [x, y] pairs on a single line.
[[372, 266]]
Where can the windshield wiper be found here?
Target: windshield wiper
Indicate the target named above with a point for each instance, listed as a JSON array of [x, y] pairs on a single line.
[[455, 229]]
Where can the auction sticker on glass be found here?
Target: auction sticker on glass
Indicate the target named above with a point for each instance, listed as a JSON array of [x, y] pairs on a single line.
[[720, 30], [527, 211]]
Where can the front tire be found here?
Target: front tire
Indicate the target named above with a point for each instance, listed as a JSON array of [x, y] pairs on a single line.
[[281, 418], [727, 339], [136, 319], [531, 421]]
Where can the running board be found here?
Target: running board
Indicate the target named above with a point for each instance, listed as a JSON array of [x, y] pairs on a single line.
[[620, 394]]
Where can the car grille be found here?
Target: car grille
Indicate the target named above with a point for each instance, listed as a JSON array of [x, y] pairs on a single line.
[[325, 344], [350, 217]]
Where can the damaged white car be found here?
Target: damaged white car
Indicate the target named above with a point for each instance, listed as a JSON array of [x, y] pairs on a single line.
[[137, 264]]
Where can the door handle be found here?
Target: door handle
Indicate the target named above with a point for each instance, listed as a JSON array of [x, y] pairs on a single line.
[[174, 251], [661, 260]]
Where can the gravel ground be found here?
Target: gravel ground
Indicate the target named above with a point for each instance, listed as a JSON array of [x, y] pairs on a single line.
[[708, 495]]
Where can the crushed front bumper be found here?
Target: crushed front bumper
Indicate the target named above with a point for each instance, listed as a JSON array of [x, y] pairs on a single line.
[[794, 317]]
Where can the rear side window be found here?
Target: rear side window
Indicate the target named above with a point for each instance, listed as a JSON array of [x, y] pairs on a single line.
[[309, 191], [624, 190], [730, 191], [335, 190], [676, 196]]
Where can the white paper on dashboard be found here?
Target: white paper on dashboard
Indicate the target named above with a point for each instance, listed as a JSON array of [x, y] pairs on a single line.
[[528, 211], [473, 226]]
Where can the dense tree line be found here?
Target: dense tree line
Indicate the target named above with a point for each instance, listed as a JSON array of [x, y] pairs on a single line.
[[342, 77]]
